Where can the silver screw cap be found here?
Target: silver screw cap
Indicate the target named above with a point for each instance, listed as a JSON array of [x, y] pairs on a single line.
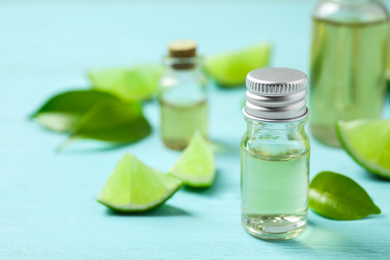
[[276, 94]]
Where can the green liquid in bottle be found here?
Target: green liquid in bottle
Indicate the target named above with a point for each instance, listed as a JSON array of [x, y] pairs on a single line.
[[274, 194], [179, 122], [348, 63]]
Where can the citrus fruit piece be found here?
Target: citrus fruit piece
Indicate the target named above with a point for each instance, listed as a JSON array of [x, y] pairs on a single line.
[[134, 186], [195, 166], [128, 83], [368, 143], [229, 69]]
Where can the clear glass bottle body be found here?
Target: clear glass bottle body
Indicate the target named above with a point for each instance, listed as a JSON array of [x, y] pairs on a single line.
[[183, 102], [348, 62], [275, 178]]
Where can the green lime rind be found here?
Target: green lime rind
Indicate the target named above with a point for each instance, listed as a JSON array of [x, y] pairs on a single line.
[[338, 197], [135, 187], [195, 167], [195, 182], [134, 208], [229, 69], [377, 144]]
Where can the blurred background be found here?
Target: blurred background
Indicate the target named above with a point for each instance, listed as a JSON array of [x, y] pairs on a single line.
[[57, 41], [48, 46]]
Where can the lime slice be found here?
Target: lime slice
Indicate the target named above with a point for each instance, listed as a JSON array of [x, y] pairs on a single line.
[[195, 166], [128, 83], [230, 69], [134, 186], [368, 143]]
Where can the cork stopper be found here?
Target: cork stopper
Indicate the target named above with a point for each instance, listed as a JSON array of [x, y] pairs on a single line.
[[182, 49]]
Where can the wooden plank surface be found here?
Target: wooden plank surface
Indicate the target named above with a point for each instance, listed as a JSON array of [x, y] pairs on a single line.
[[47, 199]]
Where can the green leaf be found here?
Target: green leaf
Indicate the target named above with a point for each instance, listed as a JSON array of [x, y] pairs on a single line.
[[112, 121], [132, 83], [336, 196], [61, 112]]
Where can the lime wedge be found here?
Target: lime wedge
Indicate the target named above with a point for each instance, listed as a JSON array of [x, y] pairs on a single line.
[[388, 74], [230, 69], [128, 83], [134, 186], [195, 167], [368, 143]]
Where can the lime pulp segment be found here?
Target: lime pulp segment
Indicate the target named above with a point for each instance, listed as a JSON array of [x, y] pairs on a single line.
[[230, 68], [368, 143], [195, 167], [134, 186]]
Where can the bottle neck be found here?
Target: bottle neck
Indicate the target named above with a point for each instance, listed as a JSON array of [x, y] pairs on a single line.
[[354, 2], [183, 81], [351, 11], [182, 65], [275, 139], [257, 128]]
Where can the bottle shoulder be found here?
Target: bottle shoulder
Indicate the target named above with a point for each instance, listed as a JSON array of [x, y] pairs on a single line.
[[183, 87], [351, 11], [276, 146], [174, 78]]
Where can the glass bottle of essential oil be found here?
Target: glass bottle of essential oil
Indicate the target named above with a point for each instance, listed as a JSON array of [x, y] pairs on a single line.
[[183, 97], [275, 154], [348, 61]]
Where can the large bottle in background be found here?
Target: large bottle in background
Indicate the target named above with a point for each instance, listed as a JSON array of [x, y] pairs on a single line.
[[348, 61], [183, 99]]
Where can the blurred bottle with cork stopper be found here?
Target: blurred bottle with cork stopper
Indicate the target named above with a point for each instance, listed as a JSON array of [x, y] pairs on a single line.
[[183, 96]]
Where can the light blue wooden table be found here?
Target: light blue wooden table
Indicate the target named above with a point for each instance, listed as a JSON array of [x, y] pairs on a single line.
[[47, 200]]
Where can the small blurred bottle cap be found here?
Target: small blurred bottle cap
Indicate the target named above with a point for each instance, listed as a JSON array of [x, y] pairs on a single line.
[[182, 49]]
